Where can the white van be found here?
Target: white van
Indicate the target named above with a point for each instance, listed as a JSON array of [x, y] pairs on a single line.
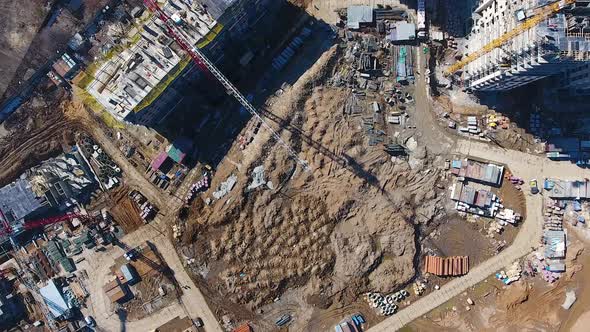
[[90, 321]]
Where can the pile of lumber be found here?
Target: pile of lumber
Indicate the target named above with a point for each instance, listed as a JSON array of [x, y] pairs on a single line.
[[446, 266]]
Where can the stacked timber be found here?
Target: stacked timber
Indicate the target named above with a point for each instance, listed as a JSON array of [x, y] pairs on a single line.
[[447, 266]]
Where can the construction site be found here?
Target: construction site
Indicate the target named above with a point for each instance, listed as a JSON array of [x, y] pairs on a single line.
[[253, 165]]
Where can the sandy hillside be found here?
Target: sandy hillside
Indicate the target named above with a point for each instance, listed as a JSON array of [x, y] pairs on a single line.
[[347, 222]]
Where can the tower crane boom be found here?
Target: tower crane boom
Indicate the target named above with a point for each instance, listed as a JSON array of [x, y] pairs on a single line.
[[201, 60], [541, 14]]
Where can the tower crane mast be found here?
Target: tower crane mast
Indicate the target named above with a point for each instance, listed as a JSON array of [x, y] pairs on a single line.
[[205, 64]]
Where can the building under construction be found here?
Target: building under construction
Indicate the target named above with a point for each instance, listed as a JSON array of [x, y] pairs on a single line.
[[142, 84], [54, 186], [559, 45]]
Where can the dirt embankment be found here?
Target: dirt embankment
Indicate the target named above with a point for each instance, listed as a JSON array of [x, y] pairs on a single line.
[[347, 223], [37, 131]]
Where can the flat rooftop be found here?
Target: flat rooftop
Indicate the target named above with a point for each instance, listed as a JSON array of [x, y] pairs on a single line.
[[130, 75]]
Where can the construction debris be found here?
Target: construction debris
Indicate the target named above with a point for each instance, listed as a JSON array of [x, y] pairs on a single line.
[[226, 187]]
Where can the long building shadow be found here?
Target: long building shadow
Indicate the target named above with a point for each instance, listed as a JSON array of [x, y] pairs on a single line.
[[213, 119]]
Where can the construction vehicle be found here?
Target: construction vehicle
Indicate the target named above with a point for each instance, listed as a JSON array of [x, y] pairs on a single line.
[[534, 187], [541, 14], [207, 66]]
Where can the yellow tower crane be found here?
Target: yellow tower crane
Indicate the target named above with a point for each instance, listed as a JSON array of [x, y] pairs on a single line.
[[541, 14]]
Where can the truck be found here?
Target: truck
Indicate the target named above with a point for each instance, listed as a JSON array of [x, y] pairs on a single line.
[[376, 107], [534, 187]]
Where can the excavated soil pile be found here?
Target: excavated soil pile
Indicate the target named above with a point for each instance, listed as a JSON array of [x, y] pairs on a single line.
[[347, 222], [37, 131]]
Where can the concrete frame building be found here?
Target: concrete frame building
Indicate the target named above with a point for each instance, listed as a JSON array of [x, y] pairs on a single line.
[[214, 26], [558, 46], [57, 184]]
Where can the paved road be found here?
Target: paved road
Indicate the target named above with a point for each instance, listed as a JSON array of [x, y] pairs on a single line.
[[521, 164]]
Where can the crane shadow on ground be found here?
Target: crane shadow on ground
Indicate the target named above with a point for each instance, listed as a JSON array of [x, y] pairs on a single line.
[[343, 160], [214, 119], [122, 314]]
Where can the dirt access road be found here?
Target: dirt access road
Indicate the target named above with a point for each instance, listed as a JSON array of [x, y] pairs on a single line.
[[192, 301], [523, 165]]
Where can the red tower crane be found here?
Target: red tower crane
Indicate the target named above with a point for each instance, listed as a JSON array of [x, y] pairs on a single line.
[[7, 229], [207, 66]]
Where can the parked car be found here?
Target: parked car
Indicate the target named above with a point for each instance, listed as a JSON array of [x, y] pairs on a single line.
[[90, 321], [284, 319], [198, 322], [534, 187], [360, 318]]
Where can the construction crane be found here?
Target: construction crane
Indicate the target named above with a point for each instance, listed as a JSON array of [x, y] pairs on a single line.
[[24, 276], [541, 14], [206, 65], [7, 229]]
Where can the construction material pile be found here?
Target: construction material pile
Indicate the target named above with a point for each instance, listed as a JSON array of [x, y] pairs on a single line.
[[197, 187], [447, 266], [419, 288], [147, 210], [385, 305], [511, 274], [254, 244], [553, 220], [105, 168]]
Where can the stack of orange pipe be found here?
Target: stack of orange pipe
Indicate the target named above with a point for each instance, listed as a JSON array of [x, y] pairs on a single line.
[[446, 266]]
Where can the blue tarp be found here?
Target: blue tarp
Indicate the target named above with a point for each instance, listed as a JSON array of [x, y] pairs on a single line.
[[548, 184]]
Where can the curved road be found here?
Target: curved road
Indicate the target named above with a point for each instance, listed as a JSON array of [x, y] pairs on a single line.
[[521, 164]]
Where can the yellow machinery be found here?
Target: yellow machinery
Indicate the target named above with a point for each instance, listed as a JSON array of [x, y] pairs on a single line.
[[540, 15]]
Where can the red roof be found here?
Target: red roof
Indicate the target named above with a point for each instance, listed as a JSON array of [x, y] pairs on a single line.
[[243, 328]]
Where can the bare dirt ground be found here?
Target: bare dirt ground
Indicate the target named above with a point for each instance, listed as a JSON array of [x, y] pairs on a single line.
[[31, 33], [19, 22], [337, 230], [527, 305], [38, 130]]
